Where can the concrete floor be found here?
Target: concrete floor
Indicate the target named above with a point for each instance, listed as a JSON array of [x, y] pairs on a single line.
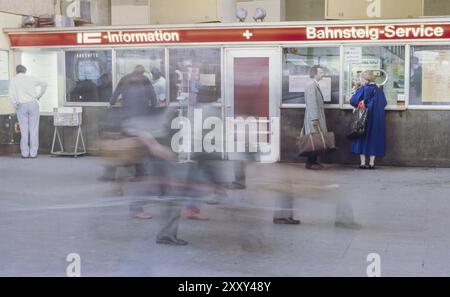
[[51, 207]]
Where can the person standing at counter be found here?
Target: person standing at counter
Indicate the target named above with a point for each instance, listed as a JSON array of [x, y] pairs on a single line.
[[159, 84], [369, 95], [25, 98], [314, 113]]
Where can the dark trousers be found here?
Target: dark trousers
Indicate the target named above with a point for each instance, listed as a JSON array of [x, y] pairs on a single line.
[[109, 172], [312, 160]]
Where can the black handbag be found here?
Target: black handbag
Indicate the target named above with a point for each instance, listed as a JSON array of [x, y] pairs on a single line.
[[358, 124]]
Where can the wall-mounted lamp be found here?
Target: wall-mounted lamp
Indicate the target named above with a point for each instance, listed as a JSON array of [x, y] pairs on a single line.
[[241, 14], [260, 14]]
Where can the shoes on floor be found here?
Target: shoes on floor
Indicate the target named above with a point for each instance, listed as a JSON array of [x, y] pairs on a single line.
[[235, 186], [194, 214], [286, 221], [314, 166], [143, 216], [171, 241], [348, 225]]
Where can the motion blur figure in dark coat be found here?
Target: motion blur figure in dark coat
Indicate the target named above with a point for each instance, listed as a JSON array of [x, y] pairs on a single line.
[[137, 97], [137, 93]]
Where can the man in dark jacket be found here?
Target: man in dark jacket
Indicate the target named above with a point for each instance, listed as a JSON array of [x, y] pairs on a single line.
[[137, 97], [137, 93]]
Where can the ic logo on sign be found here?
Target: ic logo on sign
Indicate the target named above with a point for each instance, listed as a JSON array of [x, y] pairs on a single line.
[[374, 9], [89, 38]]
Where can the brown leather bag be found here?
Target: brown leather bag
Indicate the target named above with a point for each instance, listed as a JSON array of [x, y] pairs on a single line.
[[119, 150], [315, 143]]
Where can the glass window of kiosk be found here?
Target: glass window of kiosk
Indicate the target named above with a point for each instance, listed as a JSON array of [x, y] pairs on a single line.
[[4, 73], [391, 59], [195, 85], [153, 61], [297, 61], [44, 65], [430, 75], [195, 74], [88, 76]]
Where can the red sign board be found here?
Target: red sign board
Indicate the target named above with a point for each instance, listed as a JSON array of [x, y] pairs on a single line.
[[234, 35]]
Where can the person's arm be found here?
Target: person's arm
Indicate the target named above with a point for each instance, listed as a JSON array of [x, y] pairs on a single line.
[[151, 94], [42, 86], [116, 93], [312, 107], [357, 97], [162, 96], [13, 94], [383, 97]]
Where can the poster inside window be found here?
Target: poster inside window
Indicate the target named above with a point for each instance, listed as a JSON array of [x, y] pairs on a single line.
[[390, 59], [430, 75], [88, 76]]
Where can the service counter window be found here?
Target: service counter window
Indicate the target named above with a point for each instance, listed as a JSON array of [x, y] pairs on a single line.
[[387, 64], [195, 75], [297, 61], [153, 61], [430, 75], [4, 73], [88, 76], [44, 65]]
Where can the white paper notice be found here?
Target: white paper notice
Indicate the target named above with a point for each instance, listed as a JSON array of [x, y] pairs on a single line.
[[325, 87], [353, 55], [298, 83], [208, 80]]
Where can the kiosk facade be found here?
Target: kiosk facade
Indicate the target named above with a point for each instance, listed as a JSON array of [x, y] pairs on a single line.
[[261, 70]]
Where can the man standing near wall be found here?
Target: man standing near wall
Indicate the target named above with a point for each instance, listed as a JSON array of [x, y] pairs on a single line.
[[24, 97], [314, 113]]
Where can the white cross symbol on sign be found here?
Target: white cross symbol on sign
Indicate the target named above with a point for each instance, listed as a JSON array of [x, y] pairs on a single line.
[[247, 34]]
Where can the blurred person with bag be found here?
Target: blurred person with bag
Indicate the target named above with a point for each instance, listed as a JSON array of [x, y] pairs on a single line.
[[137, 96]]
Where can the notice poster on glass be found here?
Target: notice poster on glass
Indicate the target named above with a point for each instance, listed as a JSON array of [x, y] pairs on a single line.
[[325, 88], [394, 89], [298, 83], [355, 71], [208, 80], [353, 55], [4, 73], [436, 78], [45, 66]]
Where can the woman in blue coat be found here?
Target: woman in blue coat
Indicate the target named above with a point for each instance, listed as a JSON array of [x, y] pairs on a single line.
[[373, 143]]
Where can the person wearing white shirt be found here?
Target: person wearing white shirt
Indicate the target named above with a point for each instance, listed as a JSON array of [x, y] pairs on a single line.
[[24, 94], [159, 84]]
